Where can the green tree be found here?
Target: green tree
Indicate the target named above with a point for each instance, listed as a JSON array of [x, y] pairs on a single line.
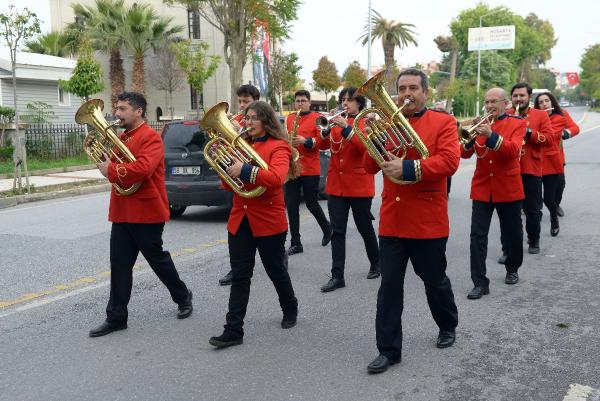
[[236, 20], [196, 63], [590, 72], [7, 114], [392, 34], [542, 78], [54, 44], [354, 75], [166, 75], [86, 78], [326, 76], [39, 113], [447, 44], [102, 23], [495, 70], [284, 75], [18, 26]]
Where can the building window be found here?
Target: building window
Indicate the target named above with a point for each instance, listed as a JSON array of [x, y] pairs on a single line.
[[64, 98], [194, 24], [196, 99]]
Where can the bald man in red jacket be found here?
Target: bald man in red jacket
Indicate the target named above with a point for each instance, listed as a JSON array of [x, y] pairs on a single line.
[[138, 219]]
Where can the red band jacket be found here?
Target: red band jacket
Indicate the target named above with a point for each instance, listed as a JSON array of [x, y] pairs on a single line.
[[309, 161], [266, 213], [568, 128], [537, 136], [347, 175], [497, 176], [420, 210], [149, 203]]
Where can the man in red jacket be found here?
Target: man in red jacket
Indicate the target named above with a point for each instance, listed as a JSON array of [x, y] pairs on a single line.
[[307, 140], [496, 185], [413, 222], [138, 219]]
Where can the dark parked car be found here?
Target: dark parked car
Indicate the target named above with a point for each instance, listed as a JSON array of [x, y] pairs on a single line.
[[189, 179]]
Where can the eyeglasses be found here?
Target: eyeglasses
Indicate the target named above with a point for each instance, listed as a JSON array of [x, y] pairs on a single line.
[[494, 101], [301, 101], [251, 118]]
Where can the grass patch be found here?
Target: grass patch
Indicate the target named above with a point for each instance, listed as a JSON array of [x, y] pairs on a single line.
[[7, 166], [52, 188]]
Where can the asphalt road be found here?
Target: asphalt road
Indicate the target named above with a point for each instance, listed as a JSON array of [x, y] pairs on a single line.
[[524, 342]]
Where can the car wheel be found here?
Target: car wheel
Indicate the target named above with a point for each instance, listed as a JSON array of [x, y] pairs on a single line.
[[176, 210]]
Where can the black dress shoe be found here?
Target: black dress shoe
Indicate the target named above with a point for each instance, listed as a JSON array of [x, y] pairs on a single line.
[[511, 278], [185, 308], [446, 338], [502, 259], [554, 227], [288, 321], [226, 339], [560, 211], [294, 249], [534, 247], [326, 238], [333, 284], [478, 292], [373, 272], [380, 364], [107, 328], [226, 279]]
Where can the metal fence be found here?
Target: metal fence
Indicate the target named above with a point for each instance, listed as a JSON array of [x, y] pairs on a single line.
[[58, 141]]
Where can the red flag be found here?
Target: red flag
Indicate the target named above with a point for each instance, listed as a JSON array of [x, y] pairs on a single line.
[[572, 78]]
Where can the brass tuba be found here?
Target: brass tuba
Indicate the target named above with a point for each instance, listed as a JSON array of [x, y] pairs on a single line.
[[225, 145], [104, 139], [391, 132]]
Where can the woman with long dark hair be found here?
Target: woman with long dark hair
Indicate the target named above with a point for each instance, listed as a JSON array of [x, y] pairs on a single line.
[[349, 186], [259, 223]]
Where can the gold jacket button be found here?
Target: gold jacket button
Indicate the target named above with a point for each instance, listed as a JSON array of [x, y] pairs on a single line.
[[491, 174], [341, 160], [245, 206], [491, 161], [341, 172], [397, 199]]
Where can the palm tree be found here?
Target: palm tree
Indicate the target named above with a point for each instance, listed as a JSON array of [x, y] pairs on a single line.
[[392, 34], [144, 30], [53, 43], [103, 23]]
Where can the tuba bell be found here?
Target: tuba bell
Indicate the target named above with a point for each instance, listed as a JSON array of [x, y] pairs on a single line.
[[225, 145], [104, 139], [390, 132]]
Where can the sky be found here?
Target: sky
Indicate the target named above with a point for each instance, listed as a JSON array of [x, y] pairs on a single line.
[[332, 27]]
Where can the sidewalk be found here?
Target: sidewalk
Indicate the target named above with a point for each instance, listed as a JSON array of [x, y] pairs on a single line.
[[40, 181]]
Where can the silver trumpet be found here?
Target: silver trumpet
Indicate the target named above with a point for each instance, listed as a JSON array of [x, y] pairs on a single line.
[[325, 122]]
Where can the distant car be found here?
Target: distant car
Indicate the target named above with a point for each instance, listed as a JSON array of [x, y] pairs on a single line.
[[565, 103]]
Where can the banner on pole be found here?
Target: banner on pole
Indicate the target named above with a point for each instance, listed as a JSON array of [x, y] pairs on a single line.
[[492, 38], [260, 50]]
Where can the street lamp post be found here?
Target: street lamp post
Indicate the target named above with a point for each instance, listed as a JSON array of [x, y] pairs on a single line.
[[369, 49]]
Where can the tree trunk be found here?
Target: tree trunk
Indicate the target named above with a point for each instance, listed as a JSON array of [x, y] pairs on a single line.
[[236, 60], [453, 58], [20, 152], [388, 54], [116, 76], [138, 74]]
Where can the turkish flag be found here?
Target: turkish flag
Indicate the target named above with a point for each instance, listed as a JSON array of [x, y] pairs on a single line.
[[572, 78]]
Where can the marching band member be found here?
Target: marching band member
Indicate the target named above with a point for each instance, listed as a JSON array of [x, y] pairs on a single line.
[[538, 135], [138, 219], [496, 185], [414, 224], [307, 141], [259, 224], [552, 166], [246, 94], [349, 186]]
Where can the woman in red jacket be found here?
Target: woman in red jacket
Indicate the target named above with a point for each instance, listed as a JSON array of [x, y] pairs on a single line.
[[259, 223], [553, 160], [349, 186]]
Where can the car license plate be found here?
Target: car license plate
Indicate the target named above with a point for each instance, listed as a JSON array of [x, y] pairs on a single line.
[[185, 170]]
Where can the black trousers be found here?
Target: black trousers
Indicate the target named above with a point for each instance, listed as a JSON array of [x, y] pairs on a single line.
[[560, 188], [511, 230], [339, 208], [242, 253], [310, 188], [428, 257], [127, 240], [532, 205], [550, 184]]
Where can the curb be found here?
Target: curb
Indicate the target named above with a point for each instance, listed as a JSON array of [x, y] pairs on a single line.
[[53, 170], [19, 199]]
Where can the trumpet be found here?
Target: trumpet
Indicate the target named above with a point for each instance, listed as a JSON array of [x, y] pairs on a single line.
[[325, 122], [466, 135]]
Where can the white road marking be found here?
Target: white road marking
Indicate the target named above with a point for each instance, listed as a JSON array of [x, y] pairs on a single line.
[[11, 210]]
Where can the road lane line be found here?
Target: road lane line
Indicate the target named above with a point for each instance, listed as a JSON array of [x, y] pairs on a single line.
[[53, 204], [589, 129]]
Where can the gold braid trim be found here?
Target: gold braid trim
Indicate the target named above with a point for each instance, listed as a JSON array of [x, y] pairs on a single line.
[[418, 171], [121, 171], [541, 137], [253, 174], [499, 142]]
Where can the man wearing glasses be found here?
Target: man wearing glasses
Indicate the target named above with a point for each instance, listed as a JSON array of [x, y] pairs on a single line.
[[496, 185], [306, 139]]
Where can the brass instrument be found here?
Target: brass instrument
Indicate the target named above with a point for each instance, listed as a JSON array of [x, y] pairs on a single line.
[[325, 122], [391, 132], [295, 152], [226, 145], [104, 139], [466, 135]]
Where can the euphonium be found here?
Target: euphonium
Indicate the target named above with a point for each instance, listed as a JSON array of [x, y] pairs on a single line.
[[466, 135], [104, 140], [295, 152], [225, 145], [391, 132]]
